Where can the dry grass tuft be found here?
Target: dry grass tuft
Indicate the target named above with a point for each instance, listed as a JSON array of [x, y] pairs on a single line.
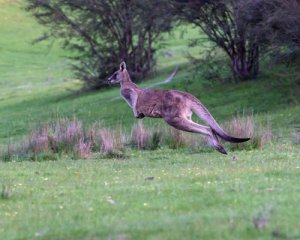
[[178, 139], [83, 149], [65, 135], [244, 127], [156, 138], [68, 137], [111, 143], [140, 137], [37, 142]]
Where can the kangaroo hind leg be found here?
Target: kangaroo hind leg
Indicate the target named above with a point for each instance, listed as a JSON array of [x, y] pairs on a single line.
[[190, 126]]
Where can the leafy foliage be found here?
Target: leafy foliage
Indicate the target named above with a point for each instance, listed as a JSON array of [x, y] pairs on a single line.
[[243, 28], [276, 22], [222, 22], [103, 33]]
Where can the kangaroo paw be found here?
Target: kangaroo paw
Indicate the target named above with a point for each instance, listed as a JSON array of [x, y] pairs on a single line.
[[140, 115]]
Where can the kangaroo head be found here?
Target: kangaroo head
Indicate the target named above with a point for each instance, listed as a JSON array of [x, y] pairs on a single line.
[[119, 75]]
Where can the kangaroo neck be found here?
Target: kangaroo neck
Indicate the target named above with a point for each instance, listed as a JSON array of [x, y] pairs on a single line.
[[127, 82]]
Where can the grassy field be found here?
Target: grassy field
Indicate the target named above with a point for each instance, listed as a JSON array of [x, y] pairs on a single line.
[[161, 194], [166, 194]]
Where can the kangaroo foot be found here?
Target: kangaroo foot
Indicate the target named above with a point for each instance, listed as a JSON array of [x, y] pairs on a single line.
[[220, 149]]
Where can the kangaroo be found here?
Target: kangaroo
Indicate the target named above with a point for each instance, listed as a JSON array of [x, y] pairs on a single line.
[[175, 107]]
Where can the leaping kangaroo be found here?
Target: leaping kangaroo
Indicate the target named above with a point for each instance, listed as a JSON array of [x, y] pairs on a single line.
[[175, 107]]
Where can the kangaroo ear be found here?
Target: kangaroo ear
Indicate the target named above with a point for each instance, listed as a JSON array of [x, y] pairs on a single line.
[[122, 66]]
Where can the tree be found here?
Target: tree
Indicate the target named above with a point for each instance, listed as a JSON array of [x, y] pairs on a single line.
[[223, 23], [275, 22], [276, 25], [104, 32]]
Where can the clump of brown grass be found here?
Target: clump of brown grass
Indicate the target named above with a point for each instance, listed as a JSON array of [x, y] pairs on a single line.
[[111, 143], [69, 137], [178, 139], [37, 142], [246, 127], [65, 135], [140, 137], [93, 136], [146, 138], [62, 136], [153, 138], [156, 138], [83, 149], [199, 143]]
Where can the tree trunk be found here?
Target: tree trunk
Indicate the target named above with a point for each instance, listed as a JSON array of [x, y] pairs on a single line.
[[245, 64]]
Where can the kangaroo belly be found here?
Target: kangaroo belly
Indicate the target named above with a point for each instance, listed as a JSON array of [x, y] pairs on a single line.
[[149, 104], [149, 110], [163, 103]]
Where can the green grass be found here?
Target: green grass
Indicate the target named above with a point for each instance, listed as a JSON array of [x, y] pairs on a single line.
[[26, 68], [192, 196]]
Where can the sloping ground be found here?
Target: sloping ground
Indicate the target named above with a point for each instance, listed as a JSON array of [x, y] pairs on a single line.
[[278, 105], [36, 83]]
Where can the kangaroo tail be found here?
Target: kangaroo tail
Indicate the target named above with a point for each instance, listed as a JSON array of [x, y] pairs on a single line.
[[201, 111]]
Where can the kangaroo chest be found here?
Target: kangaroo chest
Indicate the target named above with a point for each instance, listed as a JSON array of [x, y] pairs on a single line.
[[126, 93], [129, 95]]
